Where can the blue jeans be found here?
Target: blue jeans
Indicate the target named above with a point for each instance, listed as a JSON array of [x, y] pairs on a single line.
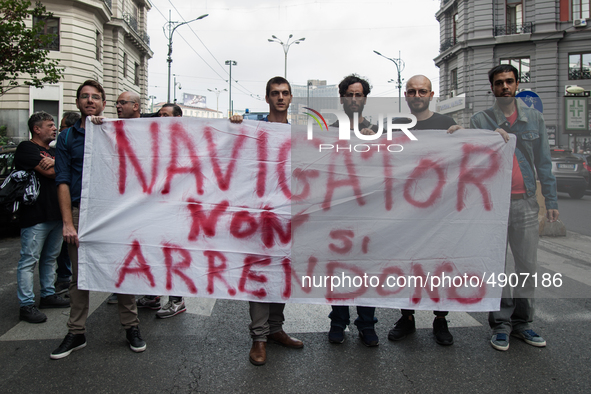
[[365, 317], [517, 309], [39, 243]]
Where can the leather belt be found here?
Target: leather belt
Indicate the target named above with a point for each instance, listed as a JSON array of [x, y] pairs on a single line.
[[519, 196]]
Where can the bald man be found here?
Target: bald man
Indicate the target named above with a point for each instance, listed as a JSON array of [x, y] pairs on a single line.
[[418, 95], [128, 105]]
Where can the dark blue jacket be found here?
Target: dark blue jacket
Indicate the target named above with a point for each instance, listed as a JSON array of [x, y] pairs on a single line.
[[69, 159]]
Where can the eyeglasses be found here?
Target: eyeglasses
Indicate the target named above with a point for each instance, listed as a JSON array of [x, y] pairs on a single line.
[[421, 92], [85, 96], [122, 102]]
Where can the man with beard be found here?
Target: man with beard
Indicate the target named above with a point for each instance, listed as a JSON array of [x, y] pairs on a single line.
[[267, 317], [418, 95], [353, 91], [532, 156], [90, 100]]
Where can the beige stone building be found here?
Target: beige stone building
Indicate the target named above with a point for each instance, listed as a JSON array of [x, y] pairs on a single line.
[[104, 40]]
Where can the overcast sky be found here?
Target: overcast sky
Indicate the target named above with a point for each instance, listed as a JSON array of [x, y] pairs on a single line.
[[341, 36]]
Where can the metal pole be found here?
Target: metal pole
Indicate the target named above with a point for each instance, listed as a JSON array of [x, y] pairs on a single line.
[[169, 60], [285, 70], [230, 63], [170, 34], [399, 67]]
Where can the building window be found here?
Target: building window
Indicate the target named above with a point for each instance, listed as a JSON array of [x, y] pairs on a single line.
[[124, 65], [51, 26], [579, 66], [98, 46], [580, 9], [136, 77], [454, 33], [453, 82], [522, 65], [515, 12]]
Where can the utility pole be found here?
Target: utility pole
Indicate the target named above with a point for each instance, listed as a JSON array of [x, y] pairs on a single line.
[[399, 67], [169, 25], [230, 106]]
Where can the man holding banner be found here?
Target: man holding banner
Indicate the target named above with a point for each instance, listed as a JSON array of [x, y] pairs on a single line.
[[418, 95], [90, 100], [267, 318], [532, 150], [353, 91]]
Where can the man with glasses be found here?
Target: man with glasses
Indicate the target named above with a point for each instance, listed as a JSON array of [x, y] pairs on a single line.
[[175, 304], [418, 95], [128, 105], [353, 91], [90, 100]]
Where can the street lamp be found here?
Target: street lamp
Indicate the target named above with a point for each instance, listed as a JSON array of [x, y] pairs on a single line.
[[170, 33], [176, 83], [286, 47], [217, 97], [399, 67], [152, 106], [231, 63]]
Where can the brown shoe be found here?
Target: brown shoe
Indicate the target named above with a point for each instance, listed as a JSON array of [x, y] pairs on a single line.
[[282, 338], [258, 353]]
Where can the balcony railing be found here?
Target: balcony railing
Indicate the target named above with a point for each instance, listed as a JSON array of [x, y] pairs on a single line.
[[132, 22], [448, 43], [505, 30]]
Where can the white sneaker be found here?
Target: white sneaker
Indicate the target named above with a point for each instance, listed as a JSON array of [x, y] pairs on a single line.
[[171, 308]]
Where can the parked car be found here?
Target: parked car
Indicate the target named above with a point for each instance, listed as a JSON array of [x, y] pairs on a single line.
[[587, 165], [571, 175]]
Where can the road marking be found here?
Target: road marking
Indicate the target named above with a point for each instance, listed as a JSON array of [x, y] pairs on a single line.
[[55, 326]]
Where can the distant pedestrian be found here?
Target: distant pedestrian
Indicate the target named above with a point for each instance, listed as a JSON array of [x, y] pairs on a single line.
[[41, 224]]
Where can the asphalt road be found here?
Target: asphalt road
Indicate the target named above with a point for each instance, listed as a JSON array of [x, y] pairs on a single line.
[[575, 214], [206, 349]]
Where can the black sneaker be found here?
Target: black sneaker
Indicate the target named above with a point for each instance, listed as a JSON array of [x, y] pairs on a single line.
[[336, 335], [54, 301], [369, 337], [31, 314], [136, 343], [62, 287], [441, 332], [404, 326], [70, 343]]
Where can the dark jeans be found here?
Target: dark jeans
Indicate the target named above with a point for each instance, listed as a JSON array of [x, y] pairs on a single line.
[[64, 265], [408, 312], [365, 316]]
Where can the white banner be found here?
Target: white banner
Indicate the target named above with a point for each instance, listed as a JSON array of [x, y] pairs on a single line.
[[210, 209]]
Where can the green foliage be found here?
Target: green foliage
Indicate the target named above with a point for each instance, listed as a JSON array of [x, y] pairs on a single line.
[[3, 138], [22, 50]]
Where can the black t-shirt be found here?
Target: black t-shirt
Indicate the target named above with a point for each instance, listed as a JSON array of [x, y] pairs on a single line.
[[435, 122], [28, 155]]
